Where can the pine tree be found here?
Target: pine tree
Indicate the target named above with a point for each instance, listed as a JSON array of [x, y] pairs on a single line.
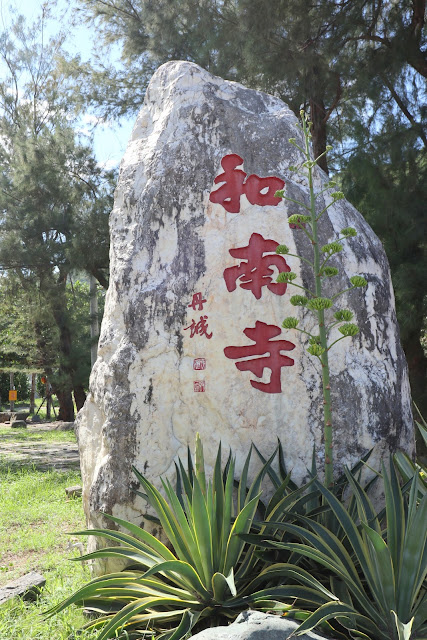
[[51, 193]]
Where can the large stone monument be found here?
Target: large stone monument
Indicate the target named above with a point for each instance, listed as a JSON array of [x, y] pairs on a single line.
[[191, 337]]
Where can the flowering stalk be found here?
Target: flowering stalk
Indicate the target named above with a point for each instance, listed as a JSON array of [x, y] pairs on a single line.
[[319, 343]]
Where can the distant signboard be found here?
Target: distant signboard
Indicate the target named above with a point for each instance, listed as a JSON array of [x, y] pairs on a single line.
[[13, 395]]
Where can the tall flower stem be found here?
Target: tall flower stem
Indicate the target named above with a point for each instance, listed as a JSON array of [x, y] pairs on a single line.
[[327, 414]]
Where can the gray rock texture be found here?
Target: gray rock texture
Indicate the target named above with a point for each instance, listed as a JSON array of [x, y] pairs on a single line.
[[253, 625], [162, 373], [27, 587]]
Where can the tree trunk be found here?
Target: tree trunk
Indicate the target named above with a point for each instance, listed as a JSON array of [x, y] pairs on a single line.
[[79, 396], [63, 385], [318, 117], [66, 406]]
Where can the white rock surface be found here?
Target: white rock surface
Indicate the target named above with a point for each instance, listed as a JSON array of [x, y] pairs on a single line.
[[169, 242]]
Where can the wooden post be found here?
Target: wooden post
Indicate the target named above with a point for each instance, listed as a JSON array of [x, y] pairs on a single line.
[[33, 393], [11, 387]]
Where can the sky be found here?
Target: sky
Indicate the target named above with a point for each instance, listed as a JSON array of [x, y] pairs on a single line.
[[110, 138]]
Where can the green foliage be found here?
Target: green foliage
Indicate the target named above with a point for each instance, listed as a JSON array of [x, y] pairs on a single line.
[[378, 573], [212, 573]]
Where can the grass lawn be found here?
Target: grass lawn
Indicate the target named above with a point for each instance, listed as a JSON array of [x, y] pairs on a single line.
[[35, 516]]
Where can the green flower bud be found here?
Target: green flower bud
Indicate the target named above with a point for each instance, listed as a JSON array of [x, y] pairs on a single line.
[[279, 194], [315, 350], [349, 232], [338, 195], [329, 272], [298, 218], [358, 281], [298, 301], [332, 247], [331, 183], [314, 340], [348, 329], [343, 314], [317, 304], [286, 276], [328, 147], [293, 168], [292, 140], [290, 323], [282, 248]]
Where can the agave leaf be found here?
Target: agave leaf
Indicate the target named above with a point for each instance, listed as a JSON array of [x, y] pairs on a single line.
[[403, 630], [188, 535], [177, 570], [167, 518], [202, 530], [120, 537], [89, 590], [277, 497], [219, 584], [328, 561], [331, 610], [419, 612], [217, 521], [228, 511], [132, 609], [186, 482], [286, 570], [254, 489], [383, 568], [241, 524], [275, 479], [395, 519], [284, 592], [352, 533], [144, 536], [242, 488], [200, 464], [283, 506], [365, 507], [188, 621], [123, 552], [414, 565]]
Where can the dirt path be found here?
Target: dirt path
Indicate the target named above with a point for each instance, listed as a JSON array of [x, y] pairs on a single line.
[[60, 456]]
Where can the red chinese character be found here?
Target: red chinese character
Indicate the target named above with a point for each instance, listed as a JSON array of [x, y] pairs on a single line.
[[258, 190], [199, 386], [229, 193], [255, 272], [199, 364], [197, 301], [201, 328], [261, 334]]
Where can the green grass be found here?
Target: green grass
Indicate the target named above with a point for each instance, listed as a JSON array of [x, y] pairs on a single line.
[[23, 435], [35, 516]]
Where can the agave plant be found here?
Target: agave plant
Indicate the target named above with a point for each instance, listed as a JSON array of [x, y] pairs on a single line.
[[380, 586], [210, 573], [409, 469]]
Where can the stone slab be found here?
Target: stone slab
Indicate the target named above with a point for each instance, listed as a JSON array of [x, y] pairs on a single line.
[[27, 587]]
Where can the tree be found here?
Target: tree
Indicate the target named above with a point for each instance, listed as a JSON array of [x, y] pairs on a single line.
[[52, 192], [357, 66]]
